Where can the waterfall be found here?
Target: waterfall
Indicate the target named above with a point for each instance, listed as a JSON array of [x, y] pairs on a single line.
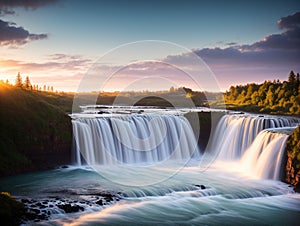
[[235, 133], [133, 139], [147, 139], [264, 156]]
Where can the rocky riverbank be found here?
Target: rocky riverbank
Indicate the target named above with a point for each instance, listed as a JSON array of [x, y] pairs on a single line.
[[40, 209], [15, 211]]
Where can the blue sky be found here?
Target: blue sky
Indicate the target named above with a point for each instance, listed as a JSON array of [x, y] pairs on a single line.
[[65, 37]]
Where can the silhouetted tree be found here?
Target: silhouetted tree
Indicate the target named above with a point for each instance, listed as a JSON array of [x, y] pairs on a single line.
[[18, 82], [27, 84], [292, 77]]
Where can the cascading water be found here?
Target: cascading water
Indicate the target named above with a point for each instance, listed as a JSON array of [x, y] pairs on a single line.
[[151, 138], [133, 139], [164, 193], [264, 156], [235, 133]]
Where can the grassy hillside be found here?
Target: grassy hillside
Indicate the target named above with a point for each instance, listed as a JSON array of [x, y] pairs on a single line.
[[34, 133]]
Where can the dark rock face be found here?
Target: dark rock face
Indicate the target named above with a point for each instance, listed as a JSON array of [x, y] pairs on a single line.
[[292, 175], [203, 125], [52, 147], [34, 134], [292, 161]]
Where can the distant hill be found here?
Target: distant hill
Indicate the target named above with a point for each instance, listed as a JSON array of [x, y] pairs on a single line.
[[34, 133]]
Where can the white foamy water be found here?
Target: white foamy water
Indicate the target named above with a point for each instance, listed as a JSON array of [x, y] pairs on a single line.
[[133, 139], [153, 165], [235, 133]]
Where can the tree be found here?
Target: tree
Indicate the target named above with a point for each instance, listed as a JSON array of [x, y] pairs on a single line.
[[292, 77], [27, 83], [19, 81], [172, 89]]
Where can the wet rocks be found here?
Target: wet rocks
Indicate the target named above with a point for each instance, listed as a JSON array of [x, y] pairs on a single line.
[[99, 202], [200, 186], [68, 208], [42, 209]]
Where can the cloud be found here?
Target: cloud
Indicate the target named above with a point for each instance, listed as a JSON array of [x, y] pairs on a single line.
[[287, 40], [234, 56], [231, 43], [6, 6], [291, 21], [65, 57], [63, 74], [69, 63], [6, 12], [270, 58], [12, 35]]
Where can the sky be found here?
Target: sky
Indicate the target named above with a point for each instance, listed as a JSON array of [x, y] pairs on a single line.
[[71, 44]]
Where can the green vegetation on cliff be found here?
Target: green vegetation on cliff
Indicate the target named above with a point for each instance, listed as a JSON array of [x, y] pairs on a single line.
[[34, 133], [269, 97], [293, 158]]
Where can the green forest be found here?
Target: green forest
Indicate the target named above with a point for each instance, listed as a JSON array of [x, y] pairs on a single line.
[[272, 97]]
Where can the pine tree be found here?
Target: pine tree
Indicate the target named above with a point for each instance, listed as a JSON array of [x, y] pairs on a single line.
[[19, 81], [27, 83], [292, 77]]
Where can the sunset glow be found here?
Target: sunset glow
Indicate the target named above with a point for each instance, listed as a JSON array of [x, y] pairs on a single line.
[[60, 50]]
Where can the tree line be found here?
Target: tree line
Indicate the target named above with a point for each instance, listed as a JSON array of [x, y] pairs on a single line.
[[28, 86], [277, 97]]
